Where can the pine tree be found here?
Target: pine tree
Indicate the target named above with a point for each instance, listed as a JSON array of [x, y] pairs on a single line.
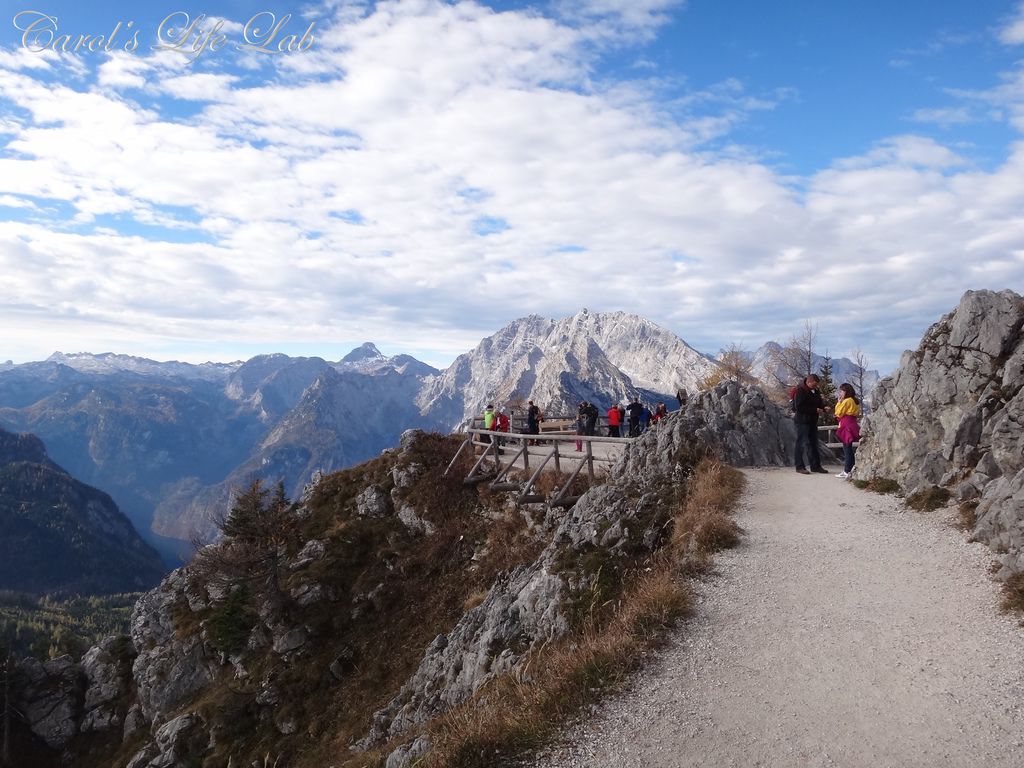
[[245, 521], [827, 386], [259, 533]]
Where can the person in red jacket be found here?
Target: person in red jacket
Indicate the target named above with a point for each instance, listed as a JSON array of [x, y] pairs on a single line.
[[501, 424], [614, 420]]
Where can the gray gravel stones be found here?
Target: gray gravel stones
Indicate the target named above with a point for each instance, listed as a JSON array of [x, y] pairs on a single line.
[[845, 631]]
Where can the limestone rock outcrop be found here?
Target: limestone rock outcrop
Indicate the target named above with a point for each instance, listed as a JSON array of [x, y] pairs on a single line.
[[51, 699], [169, 666], [952, 415], [737, 424], [60, 698]]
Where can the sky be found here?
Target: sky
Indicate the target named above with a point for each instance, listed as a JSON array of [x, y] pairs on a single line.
[[218, 181]]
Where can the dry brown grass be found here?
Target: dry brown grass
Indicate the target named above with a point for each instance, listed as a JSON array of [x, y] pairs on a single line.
[[705, 526], [519, 712], [967, 516], [549, 483], [1013, 594], [474, 599], [929, 499], [878, 485]]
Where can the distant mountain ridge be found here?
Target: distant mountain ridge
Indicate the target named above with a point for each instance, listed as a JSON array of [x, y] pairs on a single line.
[[59, 535], [171, 441]]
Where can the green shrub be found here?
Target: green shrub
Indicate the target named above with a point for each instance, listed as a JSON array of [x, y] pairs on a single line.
[[230, 623]]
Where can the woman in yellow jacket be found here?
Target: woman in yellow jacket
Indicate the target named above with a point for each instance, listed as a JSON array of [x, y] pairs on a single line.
[[847, 413]]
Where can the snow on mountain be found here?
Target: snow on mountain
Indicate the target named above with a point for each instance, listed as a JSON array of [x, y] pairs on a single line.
[[604, 357], [108, 363], [366, 358], [366, 352]]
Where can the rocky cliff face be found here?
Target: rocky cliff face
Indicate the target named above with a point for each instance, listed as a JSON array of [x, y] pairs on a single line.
[[952, 415], [740, 426]]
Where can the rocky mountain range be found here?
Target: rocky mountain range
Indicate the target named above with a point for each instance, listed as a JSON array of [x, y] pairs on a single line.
[[59, 536], [171, 441]]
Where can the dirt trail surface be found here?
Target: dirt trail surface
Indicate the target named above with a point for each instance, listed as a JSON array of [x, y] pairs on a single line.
[[846, 630]]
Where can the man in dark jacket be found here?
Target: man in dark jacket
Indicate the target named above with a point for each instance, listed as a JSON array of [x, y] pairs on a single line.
[[532, 418], [635, 409], [807, 404], [591, 419]]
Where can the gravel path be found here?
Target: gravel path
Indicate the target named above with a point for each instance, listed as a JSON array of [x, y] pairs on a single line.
[[844, 631]]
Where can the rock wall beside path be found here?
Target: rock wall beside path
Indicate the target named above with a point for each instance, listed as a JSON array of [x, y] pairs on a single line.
[[952, 416]]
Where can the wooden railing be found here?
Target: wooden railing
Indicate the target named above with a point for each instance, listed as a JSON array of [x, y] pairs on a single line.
[[830, 438], [493, 464]]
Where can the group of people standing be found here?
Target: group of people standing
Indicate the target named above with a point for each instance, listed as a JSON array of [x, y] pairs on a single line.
[[634, 419], [807, 406], [496, 420]]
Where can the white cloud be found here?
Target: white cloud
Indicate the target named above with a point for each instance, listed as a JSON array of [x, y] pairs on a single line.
[[905, 151], [343, 199], [609, 19], [22, 58], [11, 201], [1012, 31], [944, 116], [124, 70], [199, 86]]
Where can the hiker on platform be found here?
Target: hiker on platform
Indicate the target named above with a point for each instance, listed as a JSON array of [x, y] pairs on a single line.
[[581, 423], [635, 409], [488, 421], [807, 406], [645, 418], [592, 416], [614, 420], [533, 419], [502, 423]]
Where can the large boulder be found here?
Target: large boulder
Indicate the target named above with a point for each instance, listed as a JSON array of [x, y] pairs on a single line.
[[180, 742], [737, 424], [51, 699], [952, 415]]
